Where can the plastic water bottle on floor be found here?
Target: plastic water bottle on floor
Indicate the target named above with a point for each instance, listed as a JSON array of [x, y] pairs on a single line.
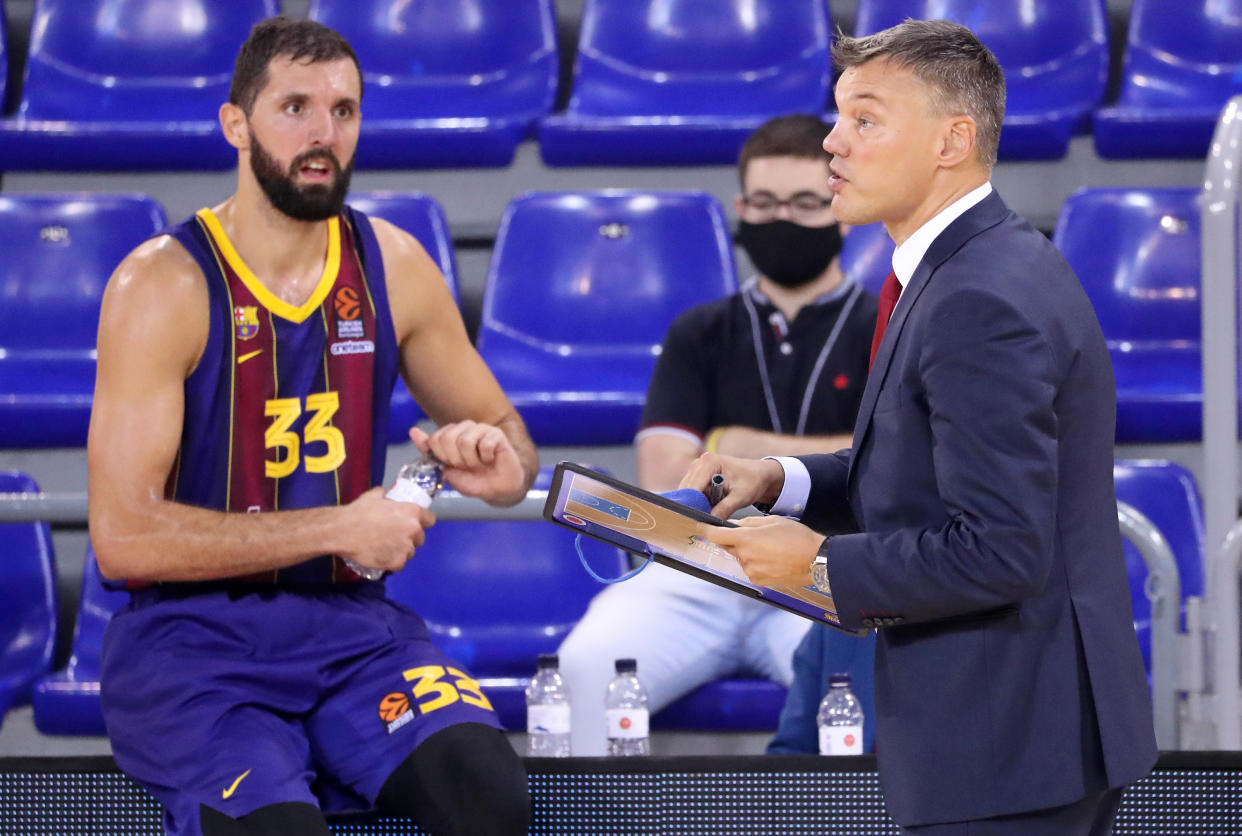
[[840, 719], [419, 481], [547, 711], [625, 712]]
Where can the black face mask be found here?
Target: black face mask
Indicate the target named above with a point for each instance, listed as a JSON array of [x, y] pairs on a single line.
[[788, 253]]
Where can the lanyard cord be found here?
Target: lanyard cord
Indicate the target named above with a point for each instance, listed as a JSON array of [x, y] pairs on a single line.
[[813, 380]]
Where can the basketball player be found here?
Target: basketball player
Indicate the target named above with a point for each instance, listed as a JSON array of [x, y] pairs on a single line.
[[246, 359]]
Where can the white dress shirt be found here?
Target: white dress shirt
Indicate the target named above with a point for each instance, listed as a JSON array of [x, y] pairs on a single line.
[[906, 260]]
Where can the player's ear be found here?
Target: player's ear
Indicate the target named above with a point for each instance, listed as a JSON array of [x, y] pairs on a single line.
[[235, 125]]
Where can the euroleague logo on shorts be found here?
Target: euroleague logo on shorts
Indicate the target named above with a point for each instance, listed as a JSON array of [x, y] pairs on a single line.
[[394, 711], [348, 314]]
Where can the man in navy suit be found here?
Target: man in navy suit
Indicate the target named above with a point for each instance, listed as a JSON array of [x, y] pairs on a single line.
[[973, 523]]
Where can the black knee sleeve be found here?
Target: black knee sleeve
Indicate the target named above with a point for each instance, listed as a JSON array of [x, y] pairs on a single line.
[[464, 780], [292, 818]]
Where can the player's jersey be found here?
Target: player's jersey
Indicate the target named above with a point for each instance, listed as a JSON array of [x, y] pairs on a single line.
[[288, 407]]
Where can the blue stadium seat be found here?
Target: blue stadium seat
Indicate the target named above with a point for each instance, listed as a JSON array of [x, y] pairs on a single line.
[[58, 253], [420, 215], [497, 593], [1136, 252], [1165, 493], [675, 82], [1054, 53], [28, 617], [127, 85], [867, 256], [580, 292], [67, 702], [448, 82], [1183, 61]]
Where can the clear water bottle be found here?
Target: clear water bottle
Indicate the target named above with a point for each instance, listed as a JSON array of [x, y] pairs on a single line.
[[840, 719], [547, 711], [419, 481], [625, 712]]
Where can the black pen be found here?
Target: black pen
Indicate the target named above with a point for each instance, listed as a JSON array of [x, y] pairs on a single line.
[[716, 489]]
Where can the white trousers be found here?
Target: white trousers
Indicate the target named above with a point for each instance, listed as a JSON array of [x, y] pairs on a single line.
[[683, 631]]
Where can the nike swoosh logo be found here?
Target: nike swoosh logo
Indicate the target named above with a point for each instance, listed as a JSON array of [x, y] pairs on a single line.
[[246, 357], [229, 792]]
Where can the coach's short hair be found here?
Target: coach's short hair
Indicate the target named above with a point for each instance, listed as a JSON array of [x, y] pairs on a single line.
[[798, 135], [963, 74], [276, 36]]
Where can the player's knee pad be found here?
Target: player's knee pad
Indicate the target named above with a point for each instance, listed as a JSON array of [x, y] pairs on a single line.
[[292, 818], [462, 781]]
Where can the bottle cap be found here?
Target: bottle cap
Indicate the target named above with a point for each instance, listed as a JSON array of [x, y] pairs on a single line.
[[549, 660], [838, 679], [627, 666]]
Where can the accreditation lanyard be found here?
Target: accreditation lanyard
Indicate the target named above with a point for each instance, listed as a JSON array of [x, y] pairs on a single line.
[[813, 380]]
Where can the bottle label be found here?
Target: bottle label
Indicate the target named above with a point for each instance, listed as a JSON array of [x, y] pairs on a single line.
[[627, 723], [840, 740], [407, 490], [547, 719]]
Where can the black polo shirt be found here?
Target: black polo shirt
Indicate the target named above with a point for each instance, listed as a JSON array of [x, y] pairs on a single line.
[[708, 373]]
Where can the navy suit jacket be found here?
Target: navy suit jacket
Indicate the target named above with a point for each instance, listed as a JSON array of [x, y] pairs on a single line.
[[986, 546]]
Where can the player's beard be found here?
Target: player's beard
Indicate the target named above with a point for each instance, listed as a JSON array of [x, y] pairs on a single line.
[[302, 203]]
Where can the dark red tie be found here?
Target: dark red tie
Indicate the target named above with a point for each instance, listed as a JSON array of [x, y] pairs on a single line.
[[888, 300]]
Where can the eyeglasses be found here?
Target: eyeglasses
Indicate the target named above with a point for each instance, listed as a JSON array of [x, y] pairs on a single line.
[[804, 206]]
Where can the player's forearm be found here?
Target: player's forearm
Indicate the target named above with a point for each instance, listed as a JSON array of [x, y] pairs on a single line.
[[755, 444], [515, 430], [168, 541]]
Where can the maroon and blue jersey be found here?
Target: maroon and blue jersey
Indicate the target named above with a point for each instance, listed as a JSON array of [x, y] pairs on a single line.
[[288, 407]]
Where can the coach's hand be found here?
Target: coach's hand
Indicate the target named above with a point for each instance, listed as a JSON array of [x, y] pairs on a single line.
[[774, 551], [747, 481]]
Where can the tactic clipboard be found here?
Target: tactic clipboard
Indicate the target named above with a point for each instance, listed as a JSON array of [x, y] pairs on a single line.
[[646, 523]]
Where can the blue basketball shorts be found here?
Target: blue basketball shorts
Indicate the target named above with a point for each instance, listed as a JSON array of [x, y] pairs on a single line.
[[238, 700]]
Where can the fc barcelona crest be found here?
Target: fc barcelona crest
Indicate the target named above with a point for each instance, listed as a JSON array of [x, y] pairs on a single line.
[[246, 318]]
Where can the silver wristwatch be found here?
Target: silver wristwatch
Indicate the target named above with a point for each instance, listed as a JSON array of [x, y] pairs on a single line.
[[819, 568]]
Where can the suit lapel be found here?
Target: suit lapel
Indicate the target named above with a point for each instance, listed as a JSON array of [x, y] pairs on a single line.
[[987, 213]]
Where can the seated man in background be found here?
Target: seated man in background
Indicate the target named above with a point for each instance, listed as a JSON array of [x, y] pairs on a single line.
[[775, 369]]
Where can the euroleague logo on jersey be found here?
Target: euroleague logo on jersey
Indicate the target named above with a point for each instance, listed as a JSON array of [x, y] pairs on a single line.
[[395, 711], [348, 314]]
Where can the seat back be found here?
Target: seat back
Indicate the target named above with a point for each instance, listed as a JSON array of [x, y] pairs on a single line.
[[1054, 52], [1183, 55], [867, 256], [1136, 252], [28, 617], [420, 215], [4, 59], [1165, 493], [134, 60], [670, 57], [497, 593], [449, 58], [582, 287], [59, 251]]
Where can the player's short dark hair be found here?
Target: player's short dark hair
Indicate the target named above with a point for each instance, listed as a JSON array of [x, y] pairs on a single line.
[[963, 74], [298, 39], [798, 135]]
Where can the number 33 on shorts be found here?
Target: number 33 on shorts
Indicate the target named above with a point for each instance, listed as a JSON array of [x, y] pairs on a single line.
[[432, 691]]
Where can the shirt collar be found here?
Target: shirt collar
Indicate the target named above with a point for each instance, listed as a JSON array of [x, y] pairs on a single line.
[[751, 287], [906, 257]]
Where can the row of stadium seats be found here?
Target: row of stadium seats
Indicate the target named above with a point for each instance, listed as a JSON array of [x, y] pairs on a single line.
[[656, 82], [579, 294], [482, 588]]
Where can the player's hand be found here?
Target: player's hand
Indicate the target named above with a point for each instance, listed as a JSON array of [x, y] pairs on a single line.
[[773, 551], [747, 481], [478, 459], [386, 533]]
